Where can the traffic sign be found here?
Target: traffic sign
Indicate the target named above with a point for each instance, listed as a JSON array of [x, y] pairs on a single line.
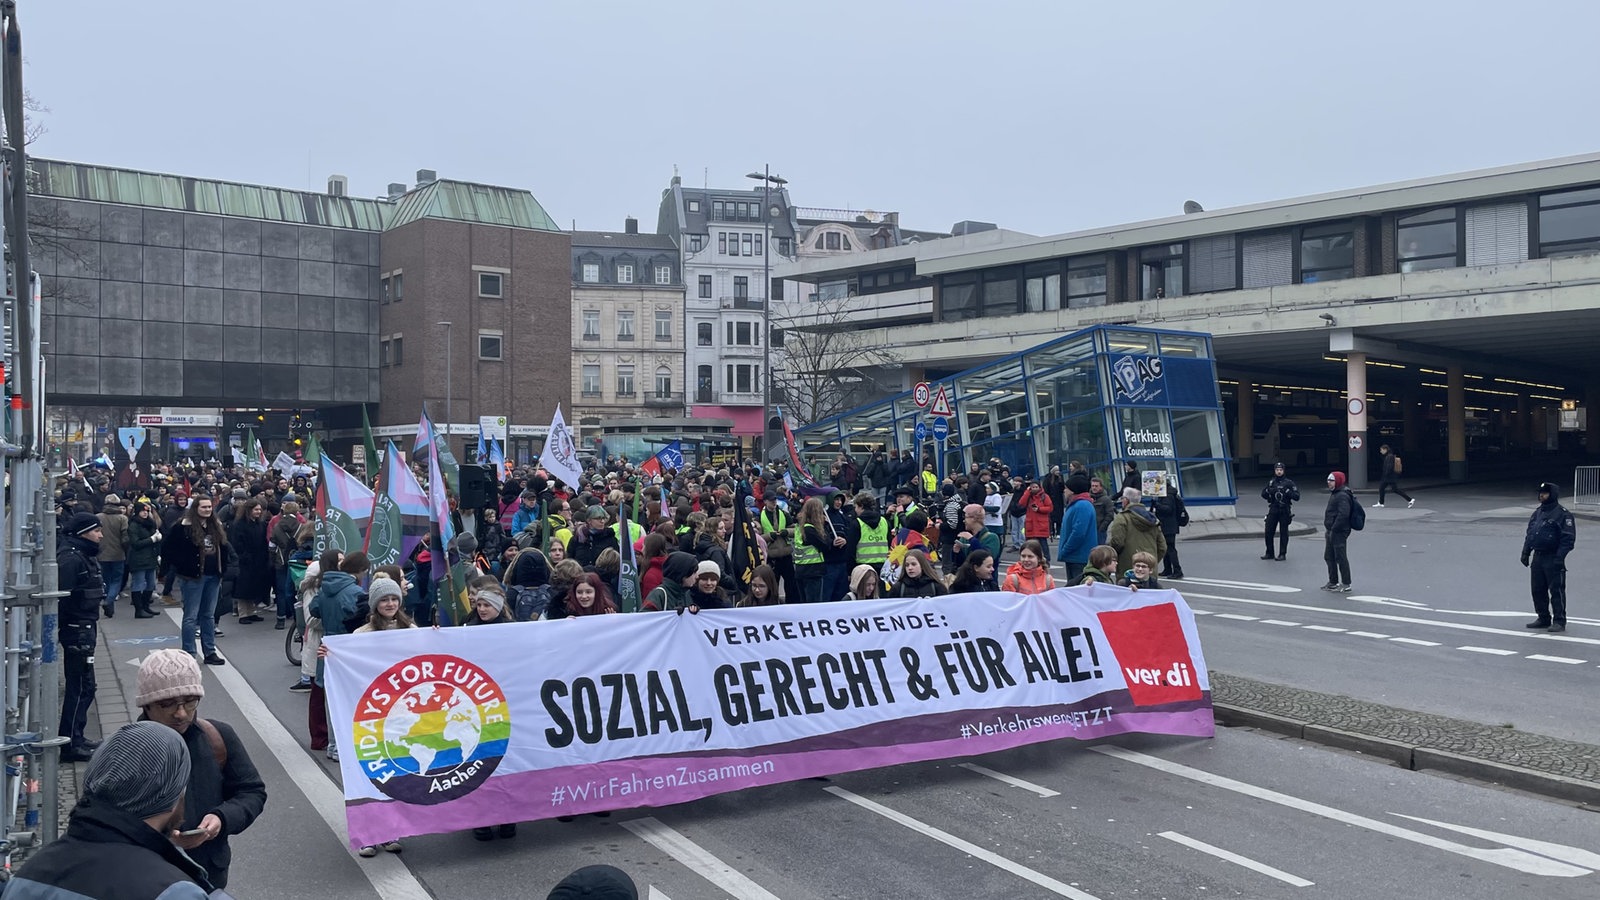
[[1355, 442], [941, 429], [919, 394], [941, 404], [922, 431]]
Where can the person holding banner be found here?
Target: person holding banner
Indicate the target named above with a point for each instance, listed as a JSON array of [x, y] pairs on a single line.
[[489, 608], [678, 574], [339, 595], [815, 535], [976, 575], [917, 578], [589, 596]]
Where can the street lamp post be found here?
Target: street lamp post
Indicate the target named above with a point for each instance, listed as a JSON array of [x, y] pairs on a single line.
[[447, 373], [767, 180]]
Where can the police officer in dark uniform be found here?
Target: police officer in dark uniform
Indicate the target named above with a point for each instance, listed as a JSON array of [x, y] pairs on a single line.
[[1280, 494], [80, 612], [1551, 535]]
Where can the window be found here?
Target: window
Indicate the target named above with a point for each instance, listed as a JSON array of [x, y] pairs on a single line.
[[1428, 240], [703, 335], [747, 242], [743, 379], [741, 287], [697, 242], [694, 206], [705, 287], [591, 381], [397, 349], [489, 344], [490, 284], [663, 325], [722, 243], [591, 324], [624, 324], [384, 290], [758, 245], [399, 287], [1086, 281], [1000, 292], [591, 273], [716, 209], [1327, 253], [624, 381], [1161, 272], [383, 353], [663, 274], [624, 274], [817, 244], [833, 240], [1213, 264], [1569, 223], [785, 247], [1042, 288], [664, 384], [958, 298], [743, 334], [703, 388]]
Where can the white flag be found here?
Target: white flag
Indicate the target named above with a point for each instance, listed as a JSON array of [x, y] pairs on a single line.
[[560, 457], [284, 463], [238, 457]]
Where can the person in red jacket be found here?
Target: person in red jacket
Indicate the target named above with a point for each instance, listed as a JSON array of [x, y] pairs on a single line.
[[1036, 507]]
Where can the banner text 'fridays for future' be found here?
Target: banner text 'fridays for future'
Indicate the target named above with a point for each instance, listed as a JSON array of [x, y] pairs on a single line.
[[459, 728]]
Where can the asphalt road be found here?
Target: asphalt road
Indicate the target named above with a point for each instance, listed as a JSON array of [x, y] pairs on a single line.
[[1244, 814]]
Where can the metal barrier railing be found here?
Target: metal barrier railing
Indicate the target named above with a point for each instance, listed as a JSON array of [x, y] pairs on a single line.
[[1586, 486]]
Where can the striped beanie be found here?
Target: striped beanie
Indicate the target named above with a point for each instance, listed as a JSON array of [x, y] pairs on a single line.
[[142, 770]]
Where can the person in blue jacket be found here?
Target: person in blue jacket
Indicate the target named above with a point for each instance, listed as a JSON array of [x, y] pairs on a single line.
[[1079, 532]]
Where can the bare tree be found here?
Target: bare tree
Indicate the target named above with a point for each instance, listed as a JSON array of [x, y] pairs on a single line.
[[828, 363], [53, 231]]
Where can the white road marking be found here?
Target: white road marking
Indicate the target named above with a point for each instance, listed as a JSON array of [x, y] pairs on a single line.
[[994, 859], [1244, 585], [1370, 634], [1415, 642], [388, 876], [1492, 651], [1237, 617], [1387, 601], [1557, 659], [1508, 857], [697, 859], [1008, 779], [1280, 622], [1575, 855], [1236, 859], [1328, 628], [1410, 620], [655, 894], [1200, 612]]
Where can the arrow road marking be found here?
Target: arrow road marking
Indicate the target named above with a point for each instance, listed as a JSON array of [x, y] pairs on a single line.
[[1509, 857], [1575, 855], [1245, 585], [1385, 617]]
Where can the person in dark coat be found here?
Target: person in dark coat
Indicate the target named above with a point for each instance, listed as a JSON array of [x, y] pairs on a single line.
[[80, 579], [1336, 534], [1281, 493], [1551, 536], [144, 554], [252, 583], [1130, 476], [225, 792], [1172, 515], [592, 538], [119, 841]]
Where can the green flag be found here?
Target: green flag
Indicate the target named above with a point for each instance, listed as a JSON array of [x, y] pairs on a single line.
[[544, 531], [313, 451], [370, 445]]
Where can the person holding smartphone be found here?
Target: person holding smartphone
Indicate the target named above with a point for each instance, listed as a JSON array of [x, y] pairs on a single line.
[[225, 792]]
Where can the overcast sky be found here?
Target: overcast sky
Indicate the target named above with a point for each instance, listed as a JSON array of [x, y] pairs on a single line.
[[1043, 116]]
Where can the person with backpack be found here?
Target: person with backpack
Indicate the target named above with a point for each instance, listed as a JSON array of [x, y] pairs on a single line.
[[225, 793], [1390, 479], [952, 515], [1343, 515]]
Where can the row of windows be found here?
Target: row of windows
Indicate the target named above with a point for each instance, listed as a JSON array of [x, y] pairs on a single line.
[[491, 346], [491, 286], [1558, 224], [741, 287], [741, 378], [591, 324], [739, 334], [624, 274], [589, 382], [731, 244]]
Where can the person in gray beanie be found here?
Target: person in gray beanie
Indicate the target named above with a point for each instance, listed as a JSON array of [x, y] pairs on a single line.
[[119, 841]]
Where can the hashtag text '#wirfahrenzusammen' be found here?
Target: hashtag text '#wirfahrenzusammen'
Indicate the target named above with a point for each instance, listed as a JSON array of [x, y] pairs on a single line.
[[633, 784]]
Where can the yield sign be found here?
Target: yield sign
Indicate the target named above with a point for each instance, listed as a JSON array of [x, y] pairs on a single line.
[[941, 404]]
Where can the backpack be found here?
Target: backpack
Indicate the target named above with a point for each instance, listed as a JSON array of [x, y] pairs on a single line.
[[359, 617], [528, 603], [219, 748], [951, 512], [1358, 515], [1398, 468]]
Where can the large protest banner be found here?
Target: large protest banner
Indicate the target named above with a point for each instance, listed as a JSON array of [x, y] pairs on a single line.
[[463, 727]]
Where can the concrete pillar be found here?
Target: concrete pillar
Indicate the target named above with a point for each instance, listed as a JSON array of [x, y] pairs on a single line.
[[1455, 410], [1355, 374], [1412, 421], [1244, 451], [1591, 413], [1523, 432]]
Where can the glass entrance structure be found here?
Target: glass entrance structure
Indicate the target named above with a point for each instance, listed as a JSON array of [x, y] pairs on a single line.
[[1105, 395]]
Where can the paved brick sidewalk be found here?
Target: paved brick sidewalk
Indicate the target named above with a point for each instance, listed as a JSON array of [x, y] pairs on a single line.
[[1565, 769]]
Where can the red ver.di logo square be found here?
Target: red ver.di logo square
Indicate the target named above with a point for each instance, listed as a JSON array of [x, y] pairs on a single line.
[[1150, 646]]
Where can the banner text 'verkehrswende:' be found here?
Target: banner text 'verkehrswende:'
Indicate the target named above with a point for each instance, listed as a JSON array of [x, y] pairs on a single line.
[[624, 706]]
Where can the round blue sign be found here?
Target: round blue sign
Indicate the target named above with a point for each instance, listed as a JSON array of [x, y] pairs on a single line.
[[941, 429], [922, 431]]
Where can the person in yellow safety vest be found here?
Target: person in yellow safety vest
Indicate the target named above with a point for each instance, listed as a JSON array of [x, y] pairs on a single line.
[[635, 532], [873, 547], [930, 480], [905, 503], [780, 556]]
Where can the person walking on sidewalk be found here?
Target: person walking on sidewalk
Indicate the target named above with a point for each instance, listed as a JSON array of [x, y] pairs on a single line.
[[80, 580], [1172, 515], [1336, 534], [113, 550], [1280, 493], [1390, 479], [1551, 535], [144, 552]]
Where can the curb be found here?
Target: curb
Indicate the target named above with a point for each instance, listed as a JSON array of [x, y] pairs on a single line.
[[1415, 758], [1254, 535]]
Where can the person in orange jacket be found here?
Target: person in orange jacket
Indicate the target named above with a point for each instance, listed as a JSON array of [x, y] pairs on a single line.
[[1036, 507], [1028, 575]]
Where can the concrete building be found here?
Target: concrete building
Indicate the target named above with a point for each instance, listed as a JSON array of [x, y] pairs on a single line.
[[722, 236], [1452, 317], [627, 326]]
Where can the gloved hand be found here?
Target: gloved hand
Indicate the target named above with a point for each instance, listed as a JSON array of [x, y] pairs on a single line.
[[1524, 559]]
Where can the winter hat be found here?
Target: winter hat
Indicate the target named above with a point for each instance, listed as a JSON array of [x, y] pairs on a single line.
[[858, 573], [166, 674], [492, 596], [81, 523], [1077, 483], [112, 500], [1337, 478], [597, 882], [381, 589], [707, 567], [679, 565], [466, 544], [531, 569], [142, 770]]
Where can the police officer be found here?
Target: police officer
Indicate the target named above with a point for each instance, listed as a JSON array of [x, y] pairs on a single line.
[[79, 570], [1551, 535], [1280, 494]]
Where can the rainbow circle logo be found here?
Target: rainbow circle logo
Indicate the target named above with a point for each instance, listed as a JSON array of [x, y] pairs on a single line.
[[431, 728]]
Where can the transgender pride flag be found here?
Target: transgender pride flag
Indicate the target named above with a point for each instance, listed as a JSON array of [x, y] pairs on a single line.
[[400, 512], [343, 509]]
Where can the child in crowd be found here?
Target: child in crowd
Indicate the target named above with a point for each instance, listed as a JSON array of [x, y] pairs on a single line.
[[1102, 566], [1028, 575], [863, 583], [1143, 573]]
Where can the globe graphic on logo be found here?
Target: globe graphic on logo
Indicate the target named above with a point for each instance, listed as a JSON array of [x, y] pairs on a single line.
[[433, 727]]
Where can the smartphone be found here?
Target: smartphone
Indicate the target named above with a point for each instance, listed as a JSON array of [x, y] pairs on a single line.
[[193, 832]]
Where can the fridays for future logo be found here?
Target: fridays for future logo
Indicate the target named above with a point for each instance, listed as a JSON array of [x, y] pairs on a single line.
[[431, 728]]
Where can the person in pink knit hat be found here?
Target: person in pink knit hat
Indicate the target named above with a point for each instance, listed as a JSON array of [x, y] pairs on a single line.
[[225, 792]]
